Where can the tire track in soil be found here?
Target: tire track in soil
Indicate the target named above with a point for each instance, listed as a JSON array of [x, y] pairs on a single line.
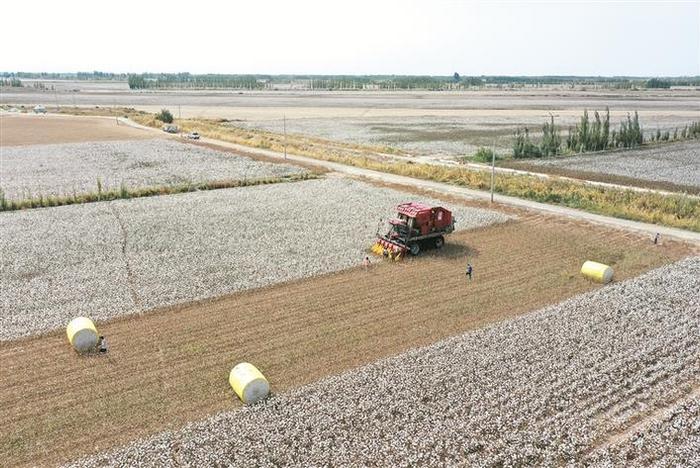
[[644, 421], [129, 271]]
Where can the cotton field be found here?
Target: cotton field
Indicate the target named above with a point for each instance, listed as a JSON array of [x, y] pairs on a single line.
[[184, 257], [113, 258], [66, 169], [678, 163], [550, 388]]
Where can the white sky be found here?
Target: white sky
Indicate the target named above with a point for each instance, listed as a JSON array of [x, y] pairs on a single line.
[[353, 37]]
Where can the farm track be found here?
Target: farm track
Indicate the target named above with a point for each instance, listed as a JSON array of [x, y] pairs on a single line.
[[125, 257], [451, 190], [169, 367], [644, 422]]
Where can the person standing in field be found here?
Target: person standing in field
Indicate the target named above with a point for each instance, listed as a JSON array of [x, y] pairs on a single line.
[[365, 263], [656, 238], [102, 345], [470, 270]]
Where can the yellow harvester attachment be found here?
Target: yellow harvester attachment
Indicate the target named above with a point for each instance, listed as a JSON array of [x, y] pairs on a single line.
[[389, 251]]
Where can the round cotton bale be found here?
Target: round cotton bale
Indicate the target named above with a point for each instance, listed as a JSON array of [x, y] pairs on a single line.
[[82, 334], [248, 383], [597, 272]]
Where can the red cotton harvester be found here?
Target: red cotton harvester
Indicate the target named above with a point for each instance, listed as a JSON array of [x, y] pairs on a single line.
[[415, 227]]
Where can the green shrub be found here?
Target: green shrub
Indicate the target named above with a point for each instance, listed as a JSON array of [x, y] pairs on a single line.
[[630, 134], [165, 116], [137, 82], [523, 147], [657, 83], [590, 135], [694, 130], [484, 155], [551, 141]]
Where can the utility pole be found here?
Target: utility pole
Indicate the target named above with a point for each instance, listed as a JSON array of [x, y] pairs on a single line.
[[493, 167], [284, 126]]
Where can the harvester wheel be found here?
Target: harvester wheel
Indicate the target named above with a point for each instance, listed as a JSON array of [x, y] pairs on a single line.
[[439, 242], [414, 248]]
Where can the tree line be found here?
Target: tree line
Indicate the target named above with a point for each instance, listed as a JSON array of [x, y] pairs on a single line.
[[11, 82], [434, 82], [388, 82], [594, 134]]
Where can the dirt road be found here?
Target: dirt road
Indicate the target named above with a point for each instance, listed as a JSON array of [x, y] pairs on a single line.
[[169, 367], [465, 193]]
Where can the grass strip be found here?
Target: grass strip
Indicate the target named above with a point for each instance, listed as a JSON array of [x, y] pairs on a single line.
[[125, 193]]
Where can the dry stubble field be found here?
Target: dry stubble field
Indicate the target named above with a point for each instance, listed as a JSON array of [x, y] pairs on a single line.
[[169, 367], [24, 130]]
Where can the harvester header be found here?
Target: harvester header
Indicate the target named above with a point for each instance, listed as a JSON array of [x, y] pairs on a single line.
[[415, 227]]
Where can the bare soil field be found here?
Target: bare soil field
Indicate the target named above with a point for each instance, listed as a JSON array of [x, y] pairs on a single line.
[[170, 367], [21, 130], [677, 163], [65, 169], [111, 258]]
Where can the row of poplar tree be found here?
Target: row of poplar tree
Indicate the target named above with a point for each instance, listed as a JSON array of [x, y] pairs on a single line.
[[587, 135]]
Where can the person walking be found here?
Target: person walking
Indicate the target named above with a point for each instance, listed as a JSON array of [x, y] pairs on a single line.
[[470, 270], [656, 238], [365, 263]]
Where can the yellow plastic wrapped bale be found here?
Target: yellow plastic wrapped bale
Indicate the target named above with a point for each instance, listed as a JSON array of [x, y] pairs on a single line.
[[82, 334], [248, 383], [597, 272]]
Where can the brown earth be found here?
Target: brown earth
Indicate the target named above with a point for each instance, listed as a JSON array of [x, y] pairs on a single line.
[[168, 367], [24, 129]]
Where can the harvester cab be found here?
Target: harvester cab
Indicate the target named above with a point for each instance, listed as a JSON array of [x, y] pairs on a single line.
[[415, 227]]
